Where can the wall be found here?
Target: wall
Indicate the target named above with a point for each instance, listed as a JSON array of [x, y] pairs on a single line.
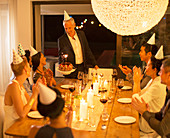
[[24, 20]]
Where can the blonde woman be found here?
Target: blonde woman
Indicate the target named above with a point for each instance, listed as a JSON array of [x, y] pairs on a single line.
[[17, 102]]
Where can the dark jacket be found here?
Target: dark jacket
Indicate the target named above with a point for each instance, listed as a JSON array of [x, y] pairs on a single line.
[[65, 47]]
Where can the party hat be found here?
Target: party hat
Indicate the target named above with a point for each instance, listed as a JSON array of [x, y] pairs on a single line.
[[66, 16], [160, 53], [21, 51], [16, 58], [151, 41], [47, 95], [33, 51]]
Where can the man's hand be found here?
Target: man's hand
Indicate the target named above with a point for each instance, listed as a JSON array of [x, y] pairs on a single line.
[[139, 105], [125, 69]]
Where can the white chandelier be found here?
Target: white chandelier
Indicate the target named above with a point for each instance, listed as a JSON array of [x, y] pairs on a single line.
[[129, 17]]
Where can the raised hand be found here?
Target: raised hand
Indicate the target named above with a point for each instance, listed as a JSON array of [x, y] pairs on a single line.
[[125, 69], [49, 76], [137, 76]]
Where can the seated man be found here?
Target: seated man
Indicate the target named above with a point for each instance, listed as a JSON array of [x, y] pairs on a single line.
[[160, 122], [145, 53]]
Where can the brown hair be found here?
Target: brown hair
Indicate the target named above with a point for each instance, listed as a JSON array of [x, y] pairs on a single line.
[[18, 68], [166, 65]]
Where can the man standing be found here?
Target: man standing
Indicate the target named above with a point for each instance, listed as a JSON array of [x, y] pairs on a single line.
[[74, 43], [160, 121], [147, 50]]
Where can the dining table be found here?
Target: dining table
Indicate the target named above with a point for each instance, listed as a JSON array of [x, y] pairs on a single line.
[[112, 129]]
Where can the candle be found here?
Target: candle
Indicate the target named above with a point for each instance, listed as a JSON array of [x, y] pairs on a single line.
[[83, 110], [65, 57], [96, 88], [90, 95], [106, 84]]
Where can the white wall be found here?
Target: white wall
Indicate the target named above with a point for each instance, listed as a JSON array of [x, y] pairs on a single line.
[[24, 21]]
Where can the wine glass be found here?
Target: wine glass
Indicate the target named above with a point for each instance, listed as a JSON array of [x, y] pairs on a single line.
[[80, 75], [72, 88], [120, 84], [114, 75], [103, 100]]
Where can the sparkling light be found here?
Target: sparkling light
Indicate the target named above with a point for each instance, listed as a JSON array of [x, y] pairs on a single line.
[[92, 22], [129, 17]]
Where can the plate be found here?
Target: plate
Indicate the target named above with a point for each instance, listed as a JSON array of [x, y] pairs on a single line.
[[125, 119], [66, 86], [126, 88], [124, 100], [34, 114], [65, 72]]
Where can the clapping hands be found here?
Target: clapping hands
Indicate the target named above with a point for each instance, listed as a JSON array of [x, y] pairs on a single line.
[[139, 105], [137, 76]]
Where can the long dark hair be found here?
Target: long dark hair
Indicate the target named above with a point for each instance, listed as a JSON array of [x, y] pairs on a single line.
[[27, 54], [36, 60]]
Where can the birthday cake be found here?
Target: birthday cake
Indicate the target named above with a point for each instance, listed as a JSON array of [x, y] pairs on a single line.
[[65, 66]]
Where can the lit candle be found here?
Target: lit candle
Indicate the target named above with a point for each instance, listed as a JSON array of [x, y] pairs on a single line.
[[65, 57], [96, 88], [83, 110], [106, 84], [90, 95]]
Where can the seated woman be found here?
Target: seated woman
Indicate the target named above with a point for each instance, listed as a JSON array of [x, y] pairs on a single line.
[[28, 82], [50, 104], [17, 102], [153, 93], [38, 62]]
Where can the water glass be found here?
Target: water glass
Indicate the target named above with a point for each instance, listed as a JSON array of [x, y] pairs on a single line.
[[91, 118], [85, 79], [67, 98], [80, 75]]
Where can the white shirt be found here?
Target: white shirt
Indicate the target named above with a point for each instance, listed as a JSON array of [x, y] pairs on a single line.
[[154, 95], [76, 48]]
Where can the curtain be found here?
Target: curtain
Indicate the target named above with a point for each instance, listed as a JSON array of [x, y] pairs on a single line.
[[7, 40]]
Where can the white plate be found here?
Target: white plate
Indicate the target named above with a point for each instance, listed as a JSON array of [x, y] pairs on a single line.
[[34, 114], [125, 119], [126, 88], [66, 86], [65, 72], [125, 100]]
